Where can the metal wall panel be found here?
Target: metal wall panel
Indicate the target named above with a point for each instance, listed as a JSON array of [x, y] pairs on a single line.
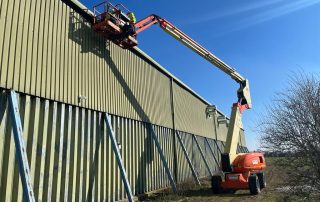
[[242, 139], [222, 129], [48, 50], [190, 113], [71, 158], [145, 91], [184, 172]]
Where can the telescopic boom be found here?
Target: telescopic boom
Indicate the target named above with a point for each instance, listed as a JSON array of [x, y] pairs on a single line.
[[243, 92]]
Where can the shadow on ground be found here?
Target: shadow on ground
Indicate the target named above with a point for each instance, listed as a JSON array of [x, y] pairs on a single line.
[[189, 191]]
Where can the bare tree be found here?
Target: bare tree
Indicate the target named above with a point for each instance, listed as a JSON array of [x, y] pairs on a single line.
[[292, 126]]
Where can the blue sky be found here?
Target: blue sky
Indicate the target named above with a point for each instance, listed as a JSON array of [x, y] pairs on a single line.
[[265, 40]]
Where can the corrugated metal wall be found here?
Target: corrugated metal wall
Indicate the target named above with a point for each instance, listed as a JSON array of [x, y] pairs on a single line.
[[48, 51], [222, 130], [71, 158], [242, 139], [184, 171], [190, 113]]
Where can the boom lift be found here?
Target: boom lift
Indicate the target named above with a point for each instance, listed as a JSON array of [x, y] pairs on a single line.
[[238, 171]]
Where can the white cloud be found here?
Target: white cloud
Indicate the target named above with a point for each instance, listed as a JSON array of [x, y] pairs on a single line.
[[251, 15], [276, 12], [232, 12]]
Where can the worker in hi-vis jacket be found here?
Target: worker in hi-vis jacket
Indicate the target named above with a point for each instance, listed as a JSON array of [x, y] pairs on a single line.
[[132, 17], [128, 28]]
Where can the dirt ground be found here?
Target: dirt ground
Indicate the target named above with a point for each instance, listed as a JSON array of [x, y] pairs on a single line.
[[192, 192]]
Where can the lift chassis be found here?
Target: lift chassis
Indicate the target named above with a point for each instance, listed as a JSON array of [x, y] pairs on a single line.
[[238, 171]]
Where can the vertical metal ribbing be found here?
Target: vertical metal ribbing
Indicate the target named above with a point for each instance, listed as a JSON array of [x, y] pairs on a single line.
[[214, 119], [41, 109], [211, 151], [188, 159], [165, 164], [118, 157], [218, 146], [21, 152], [202, 155], [175, 164], [222, 143]]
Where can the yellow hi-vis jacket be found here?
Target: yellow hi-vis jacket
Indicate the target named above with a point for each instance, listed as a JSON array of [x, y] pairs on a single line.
[[132, 17]]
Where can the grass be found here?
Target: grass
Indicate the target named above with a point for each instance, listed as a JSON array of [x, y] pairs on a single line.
[[276, 178]]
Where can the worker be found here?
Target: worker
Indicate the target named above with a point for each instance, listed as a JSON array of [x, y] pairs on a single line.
[[132, 17], [129, 28]]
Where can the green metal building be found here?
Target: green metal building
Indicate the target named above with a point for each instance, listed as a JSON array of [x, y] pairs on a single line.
[[66, 78]]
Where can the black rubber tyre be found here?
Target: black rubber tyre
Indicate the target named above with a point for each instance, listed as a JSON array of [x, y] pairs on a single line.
[[262, 180], [254, 185], [216, 184]]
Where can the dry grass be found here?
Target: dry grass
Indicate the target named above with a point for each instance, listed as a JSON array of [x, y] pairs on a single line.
[[189, 191]]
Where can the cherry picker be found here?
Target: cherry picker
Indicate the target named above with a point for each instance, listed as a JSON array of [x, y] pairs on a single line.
[[238, 171]]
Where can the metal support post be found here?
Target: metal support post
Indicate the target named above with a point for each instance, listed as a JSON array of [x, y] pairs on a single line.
[[218, 146], [188, 159], [118, 157], [203, 157], [223, 144], [154, 136], [21, 153], [211, 150]]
